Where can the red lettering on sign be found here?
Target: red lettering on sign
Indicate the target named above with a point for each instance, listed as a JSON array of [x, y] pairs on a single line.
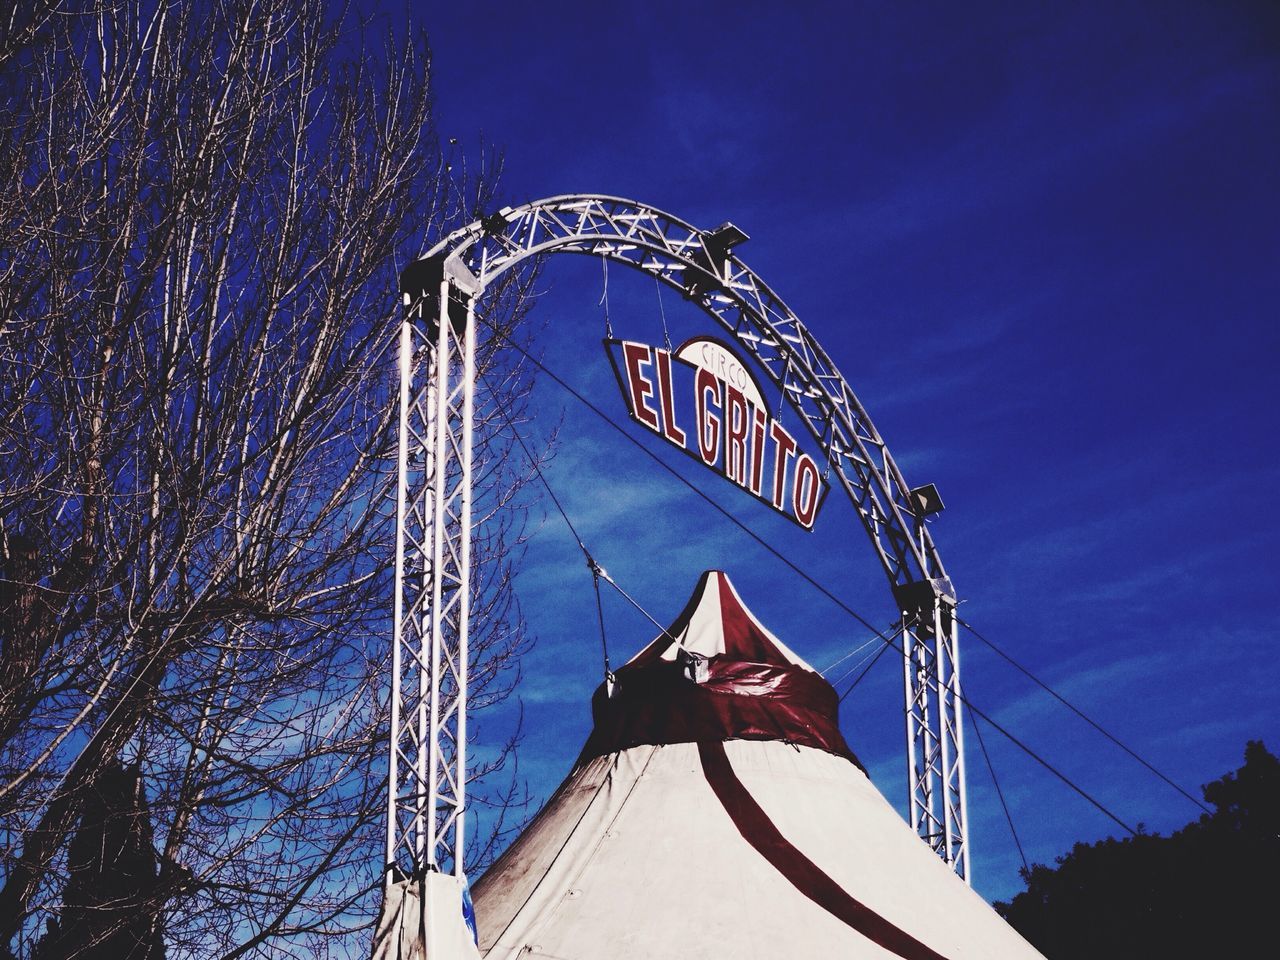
[[784, 448], [757, 451], [804, 494], [736, 435], [636, 354], [737, 423], [708, 422], [669, 428]]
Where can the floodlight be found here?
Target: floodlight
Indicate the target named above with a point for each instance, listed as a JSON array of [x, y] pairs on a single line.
[[925, 501], [725, 237]]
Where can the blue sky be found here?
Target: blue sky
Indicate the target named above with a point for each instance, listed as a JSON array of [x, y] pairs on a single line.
[[1041, 244]]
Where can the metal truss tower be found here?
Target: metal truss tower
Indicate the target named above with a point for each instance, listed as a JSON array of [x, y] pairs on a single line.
[[427, 787], [427, 778], [935, 734]]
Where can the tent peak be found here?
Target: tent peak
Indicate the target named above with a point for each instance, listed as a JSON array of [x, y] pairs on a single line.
[[717, 673], [716, 623]]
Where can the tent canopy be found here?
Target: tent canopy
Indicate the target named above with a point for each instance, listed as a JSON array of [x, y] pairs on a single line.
[[716, 811]]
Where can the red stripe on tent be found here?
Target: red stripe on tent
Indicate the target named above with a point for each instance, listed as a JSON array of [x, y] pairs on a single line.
[[742, 634], [805, 875], [653, 652]]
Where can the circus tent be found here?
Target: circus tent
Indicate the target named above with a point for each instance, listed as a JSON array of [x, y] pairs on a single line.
[[716, 811]]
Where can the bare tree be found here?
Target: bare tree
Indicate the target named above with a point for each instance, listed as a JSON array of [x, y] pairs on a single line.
[[205, 210]]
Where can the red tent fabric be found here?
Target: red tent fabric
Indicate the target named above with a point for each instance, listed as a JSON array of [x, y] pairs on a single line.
[[745, 685]]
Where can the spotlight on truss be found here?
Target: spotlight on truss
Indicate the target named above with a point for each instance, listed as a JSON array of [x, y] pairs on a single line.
[[926, 501]]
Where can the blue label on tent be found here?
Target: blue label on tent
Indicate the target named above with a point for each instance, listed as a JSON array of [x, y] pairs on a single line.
[[469, 912]]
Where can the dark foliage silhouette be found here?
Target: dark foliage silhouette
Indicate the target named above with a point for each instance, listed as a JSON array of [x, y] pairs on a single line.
[[1207, 890], [109, 906]]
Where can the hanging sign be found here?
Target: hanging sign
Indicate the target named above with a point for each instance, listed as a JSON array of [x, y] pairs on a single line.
[[704, 400]]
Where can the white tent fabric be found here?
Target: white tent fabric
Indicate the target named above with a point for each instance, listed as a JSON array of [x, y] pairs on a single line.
[[726, 848], [704, 632], [422, 919]]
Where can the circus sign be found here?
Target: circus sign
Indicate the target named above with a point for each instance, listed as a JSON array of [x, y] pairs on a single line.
[[704, 400]]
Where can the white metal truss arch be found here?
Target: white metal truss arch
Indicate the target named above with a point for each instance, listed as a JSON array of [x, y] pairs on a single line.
[[427, 777]]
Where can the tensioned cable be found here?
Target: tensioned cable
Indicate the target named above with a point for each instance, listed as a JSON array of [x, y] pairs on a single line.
[[666, 336], [1080, 713], [604, 298], [790, 564], [857, 663], [999, 793], [854, 652], [636, 603], [604, 644], [866, 670], [596, 570]]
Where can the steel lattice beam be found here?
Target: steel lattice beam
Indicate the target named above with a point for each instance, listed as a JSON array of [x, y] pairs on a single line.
[[457, 271], [431, 616], [935, 737]]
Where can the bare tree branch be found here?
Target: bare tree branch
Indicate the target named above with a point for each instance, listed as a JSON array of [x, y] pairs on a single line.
[[198, 266]]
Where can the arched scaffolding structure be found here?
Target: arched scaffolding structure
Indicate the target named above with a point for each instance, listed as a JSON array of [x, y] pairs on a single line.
[[427, 776]]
